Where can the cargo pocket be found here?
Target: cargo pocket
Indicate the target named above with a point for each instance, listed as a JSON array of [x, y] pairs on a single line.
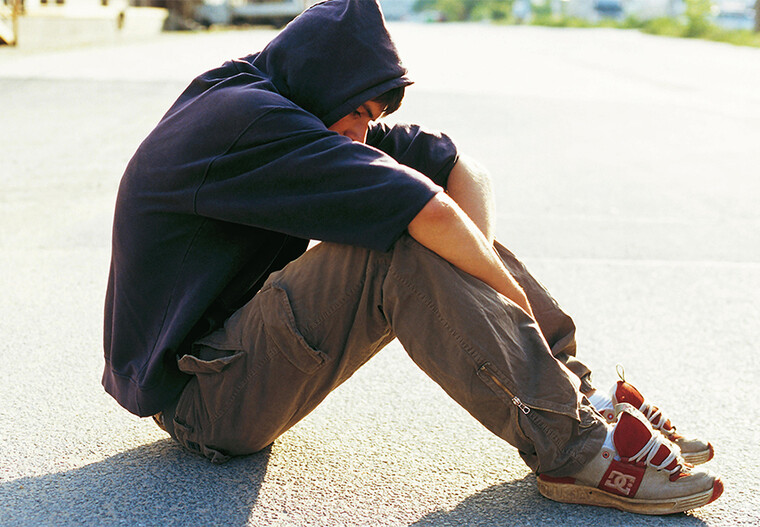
[[220, 374], [282, 332], [198, 366], [183, 434]]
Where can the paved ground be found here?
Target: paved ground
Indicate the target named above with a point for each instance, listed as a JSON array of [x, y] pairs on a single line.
[[626, 171]]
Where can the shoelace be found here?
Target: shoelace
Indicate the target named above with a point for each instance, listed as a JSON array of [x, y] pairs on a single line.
[[650, 450], [656, 417], [652, 413]]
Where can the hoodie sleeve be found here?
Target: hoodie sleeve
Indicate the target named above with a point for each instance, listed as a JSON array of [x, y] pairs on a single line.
[[432, 154], [287, 173]]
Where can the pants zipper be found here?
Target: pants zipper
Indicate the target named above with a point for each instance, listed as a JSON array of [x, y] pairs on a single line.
[[515, 400]]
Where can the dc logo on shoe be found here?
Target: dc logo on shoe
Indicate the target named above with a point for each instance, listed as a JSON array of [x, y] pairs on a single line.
[[623, 483], [622, 479]]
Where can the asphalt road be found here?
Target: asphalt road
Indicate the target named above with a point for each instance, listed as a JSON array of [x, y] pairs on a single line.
[[626, 171]]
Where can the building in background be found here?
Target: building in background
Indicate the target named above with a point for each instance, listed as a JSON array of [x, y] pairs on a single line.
[[52, 23]]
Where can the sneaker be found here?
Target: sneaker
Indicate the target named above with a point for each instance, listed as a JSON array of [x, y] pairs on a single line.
[[694, 451], [642, 473]]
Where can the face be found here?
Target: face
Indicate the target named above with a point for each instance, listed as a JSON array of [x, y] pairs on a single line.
[[355, 125]]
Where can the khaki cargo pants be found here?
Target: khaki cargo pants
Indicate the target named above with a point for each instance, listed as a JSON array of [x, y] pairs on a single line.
[[322, 317]]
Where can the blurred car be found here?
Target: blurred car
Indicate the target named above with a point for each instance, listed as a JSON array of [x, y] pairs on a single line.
[[734, 15], [609, 8], [273, 12]]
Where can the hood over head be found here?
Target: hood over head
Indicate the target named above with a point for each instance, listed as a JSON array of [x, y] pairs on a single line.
[[333, 57]]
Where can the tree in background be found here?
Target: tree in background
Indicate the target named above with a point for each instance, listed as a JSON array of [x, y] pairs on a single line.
[[697, 13], [460, 10]]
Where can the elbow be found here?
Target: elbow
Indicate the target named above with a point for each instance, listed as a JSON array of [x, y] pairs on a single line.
[[433, 217]]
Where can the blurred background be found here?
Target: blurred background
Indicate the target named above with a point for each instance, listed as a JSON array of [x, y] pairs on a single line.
[[60, 22]]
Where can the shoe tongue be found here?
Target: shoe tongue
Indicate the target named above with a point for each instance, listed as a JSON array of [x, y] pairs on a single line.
[[626, 393], [632, 434]]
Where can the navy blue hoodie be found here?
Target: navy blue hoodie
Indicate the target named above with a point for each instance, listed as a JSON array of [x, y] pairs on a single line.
[[240, 173]]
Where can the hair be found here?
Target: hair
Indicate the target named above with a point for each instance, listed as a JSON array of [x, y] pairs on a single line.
[[391, 99]]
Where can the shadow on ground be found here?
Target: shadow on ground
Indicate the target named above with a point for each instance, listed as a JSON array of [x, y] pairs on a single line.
[[156, 484], [518, 503], [161, 485]]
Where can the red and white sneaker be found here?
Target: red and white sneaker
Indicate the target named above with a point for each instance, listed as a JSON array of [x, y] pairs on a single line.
[[694, 451], [643, 473]]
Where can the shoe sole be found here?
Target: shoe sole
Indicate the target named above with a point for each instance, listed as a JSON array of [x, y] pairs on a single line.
[[572, 493], [697, 458]]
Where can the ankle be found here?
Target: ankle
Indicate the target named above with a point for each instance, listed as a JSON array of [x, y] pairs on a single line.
[[600, 400]]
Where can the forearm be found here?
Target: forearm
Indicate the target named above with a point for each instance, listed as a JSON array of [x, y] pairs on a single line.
[[446, 230]]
